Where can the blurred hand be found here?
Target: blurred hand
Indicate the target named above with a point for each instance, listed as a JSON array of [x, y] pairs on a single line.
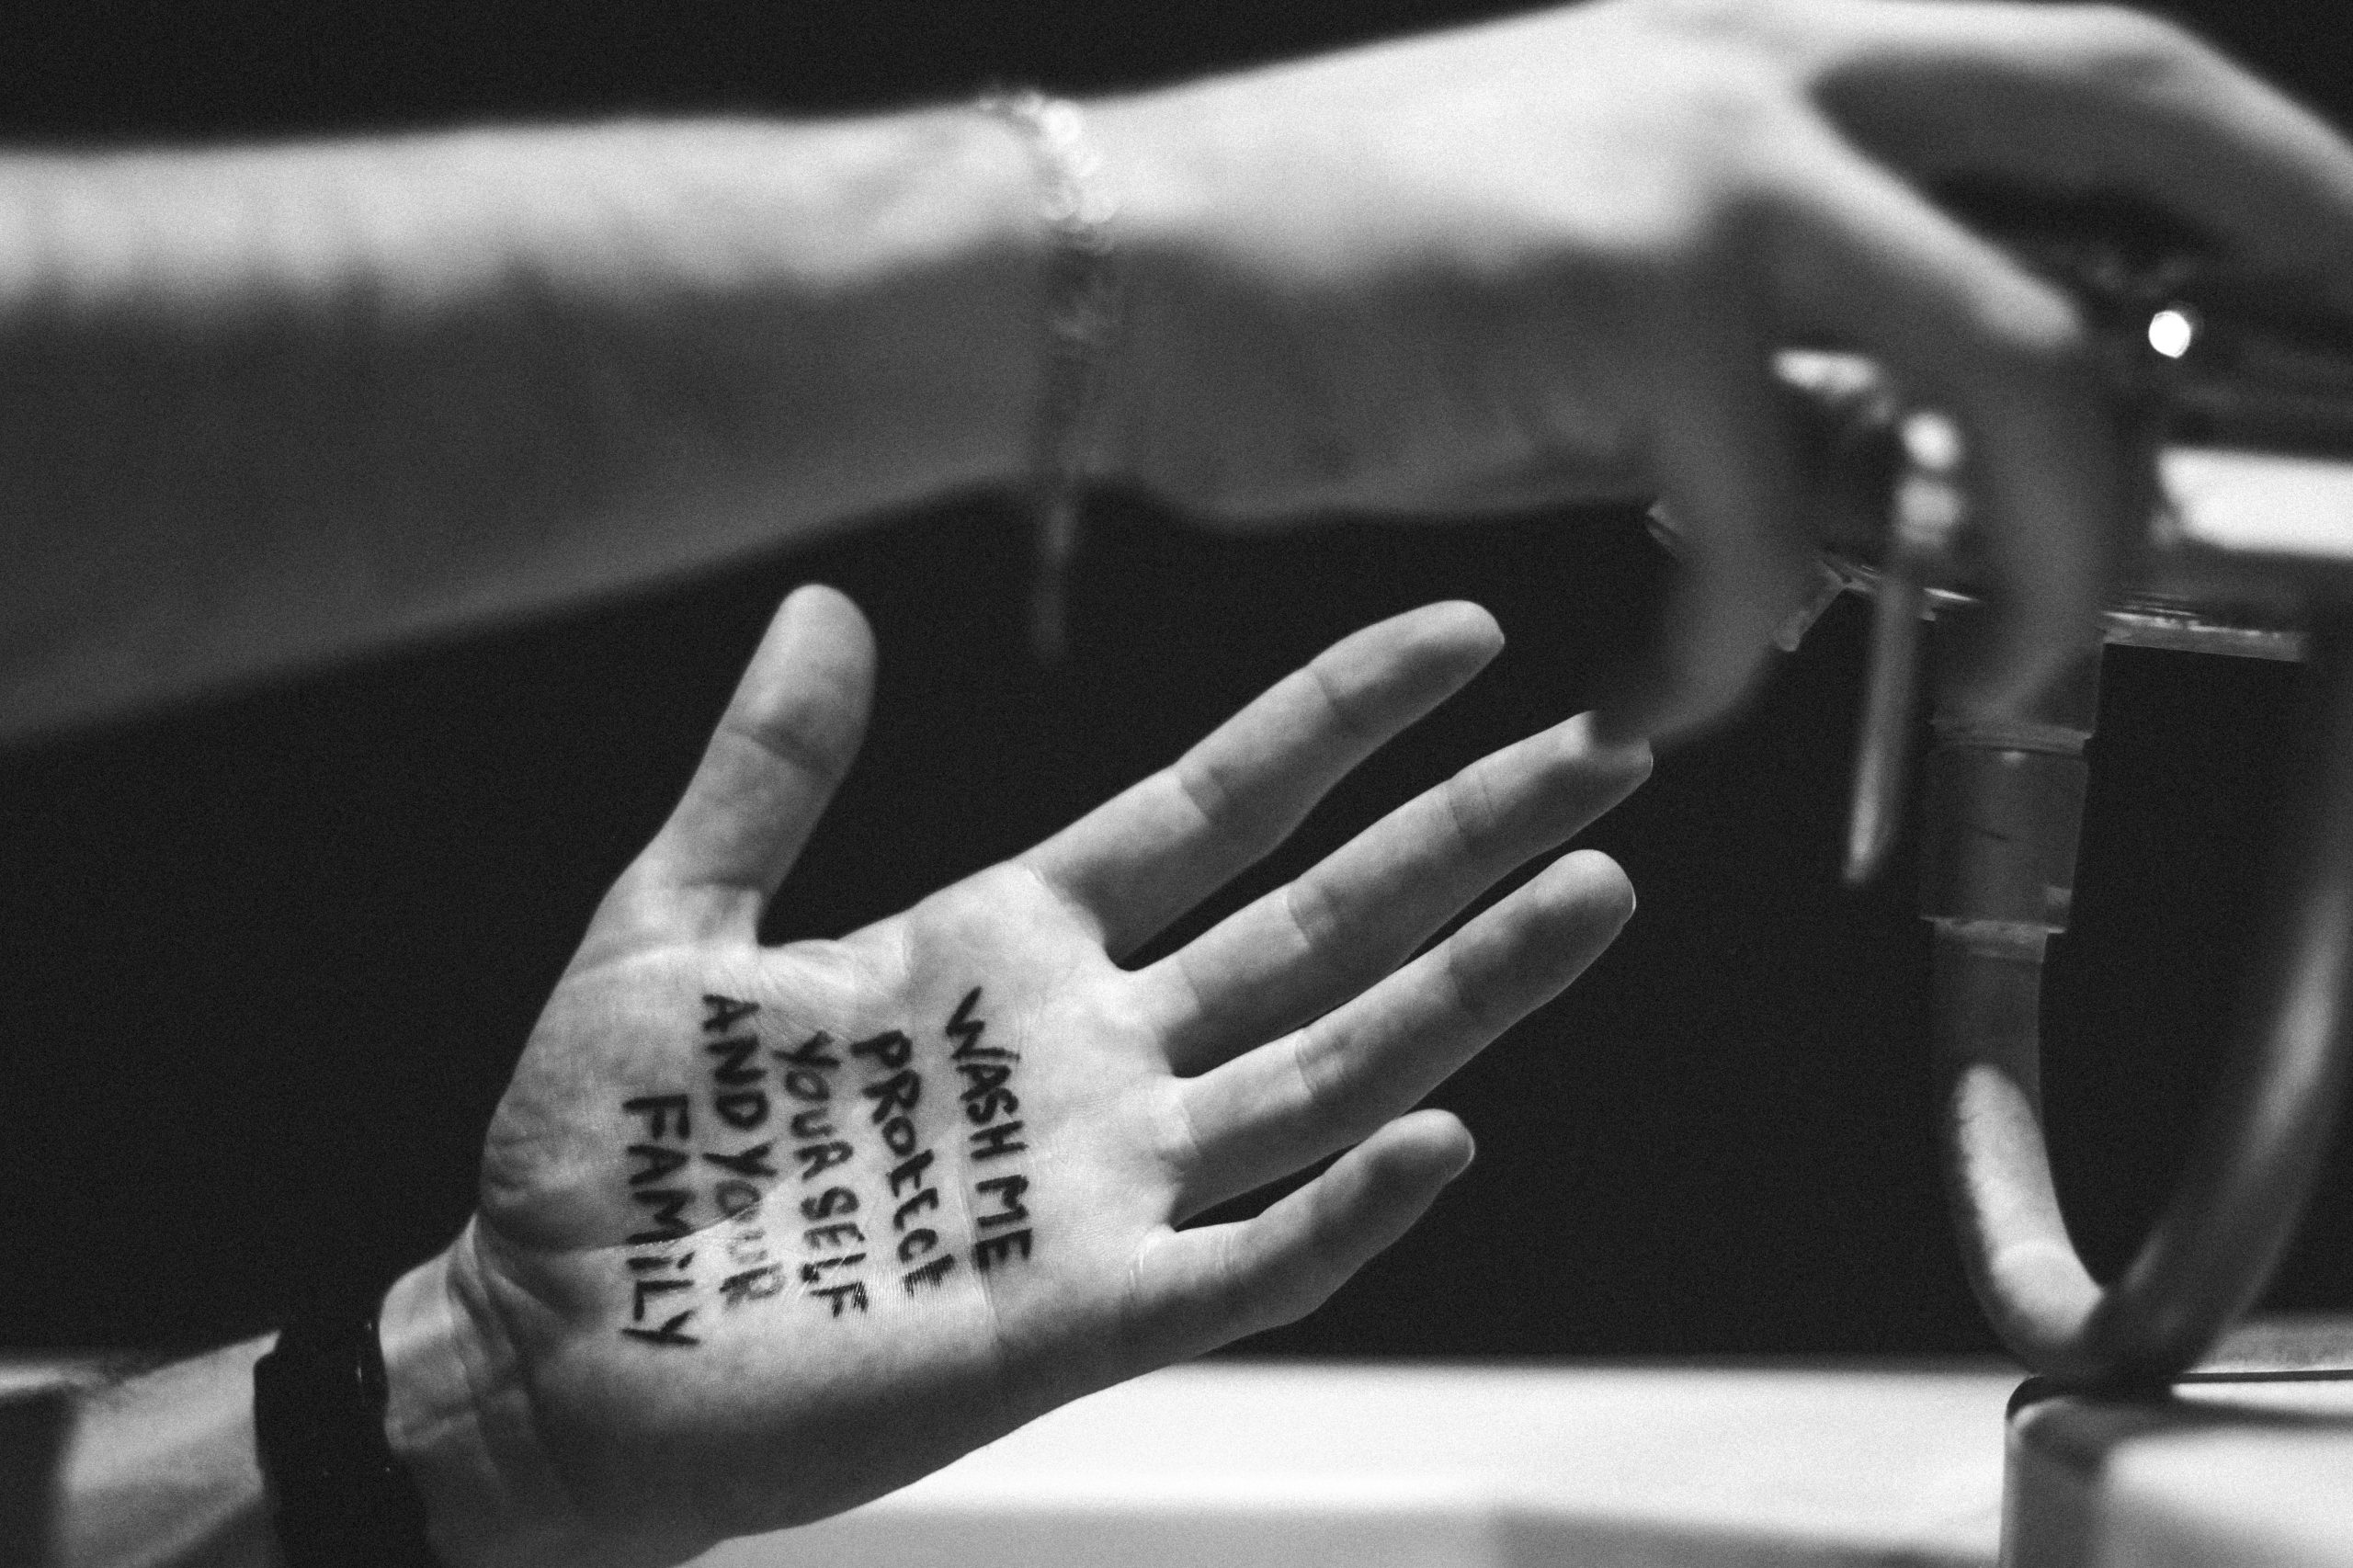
[[767, 1231], [1552, 257]]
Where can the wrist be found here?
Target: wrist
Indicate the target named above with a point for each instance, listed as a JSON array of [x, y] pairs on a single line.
[[1151, 171], [456, 1414]]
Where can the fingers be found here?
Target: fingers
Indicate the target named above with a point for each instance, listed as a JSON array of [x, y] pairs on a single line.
[[2055, 100], [1964, 327], [787, 738], [2058, 101], [1147, 856], [1198, 1289], [1309, 946], [1268, 1112], [1723, 457], [2077, 98]]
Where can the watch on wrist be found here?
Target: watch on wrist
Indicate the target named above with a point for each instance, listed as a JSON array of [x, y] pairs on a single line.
[[339, 1497]]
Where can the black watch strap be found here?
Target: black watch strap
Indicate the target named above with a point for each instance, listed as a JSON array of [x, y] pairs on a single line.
[[339, 1497]]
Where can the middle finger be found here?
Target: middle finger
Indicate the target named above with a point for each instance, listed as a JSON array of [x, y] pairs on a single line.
[[1309, 946]]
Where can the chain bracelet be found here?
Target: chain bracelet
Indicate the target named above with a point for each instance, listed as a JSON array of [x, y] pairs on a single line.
[[1082, 317]]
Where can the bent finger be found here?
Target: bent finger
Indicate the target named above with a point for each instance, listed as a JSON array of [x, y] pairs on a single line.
[[1723, 457], [1962, 327]]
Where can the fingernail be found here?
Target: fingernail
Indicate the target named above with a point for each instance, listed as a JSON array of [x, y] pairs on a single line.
[[1625, 754]]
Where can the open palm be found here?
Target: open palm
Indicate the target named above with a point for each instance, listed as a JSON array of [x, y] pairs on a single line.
[[769, 1231]]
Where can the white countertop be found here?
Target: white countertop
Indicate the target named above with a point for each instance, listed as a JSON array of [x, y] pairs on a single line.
[[1242, 1464]]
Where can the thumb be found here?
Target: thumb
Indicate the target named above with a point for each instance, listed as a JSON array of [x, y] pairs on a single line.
[[787, 737]]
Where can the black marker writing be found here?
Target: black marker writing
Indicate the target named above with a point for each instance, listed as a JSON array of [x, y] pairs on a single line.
[[737, 1098], [814, 1273], [668, 1219], [661, 1112], [833, 1201], [649, 1286], [751, 1161], [806, 1075], [1007, 1190], [652, 1160], [991, 1250], [910, 1172], [893, 1097], [667, 1334], [751, 1285], [721, 1014], [902, 1090], [997, 1141], [815, 1157], [967, 1030], [989, 1104], [735, 1060], [659, 1162], [931, 1273]]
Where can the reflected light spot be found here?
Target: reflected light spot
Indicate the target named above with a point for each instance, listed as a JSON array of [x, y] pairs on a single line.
[[2171, 332]]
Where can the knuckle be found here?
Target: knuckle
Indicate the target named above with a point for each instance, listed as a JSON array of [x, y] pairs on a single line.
[[808, 741], [1468, 993], [1320, 931], [1226, 806], [2028, 332], [2138, 53], [1333, 1104], [1234, 1289], [1474, 815], [1347, 705]]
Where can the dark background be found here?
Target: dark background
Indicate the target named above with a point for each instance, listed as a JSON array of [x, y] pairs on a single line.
[[265, 963]]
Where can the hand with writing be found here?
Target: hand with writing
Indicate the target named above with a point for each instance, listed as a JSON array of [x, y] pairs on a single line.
[[769, 1231]]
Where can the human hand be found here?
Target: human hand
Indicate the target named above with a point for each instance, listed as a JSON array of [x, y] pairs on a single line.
[[767, 1231], [1552, 257]]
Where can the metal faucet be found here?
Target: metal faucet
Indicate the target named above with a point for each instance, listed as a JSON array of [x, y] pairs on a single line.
[[2241, 403]]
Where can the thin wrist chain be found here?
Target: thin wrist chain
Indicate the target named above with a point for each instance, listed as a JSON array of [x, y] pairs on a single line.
[[1082, 322]]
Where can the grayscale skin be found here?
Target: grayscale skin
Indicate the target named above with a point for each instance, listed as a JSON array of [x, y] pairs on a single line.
[[769, 1231], [268, 407]]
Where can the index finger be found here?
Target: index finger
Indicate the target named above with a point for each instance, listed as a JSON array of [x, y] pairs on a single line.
[[1151, 852]]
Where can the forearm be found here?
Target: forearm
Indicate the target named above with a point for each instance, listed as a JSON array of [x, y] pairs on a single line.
[[159, 1470], [262, 406]]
